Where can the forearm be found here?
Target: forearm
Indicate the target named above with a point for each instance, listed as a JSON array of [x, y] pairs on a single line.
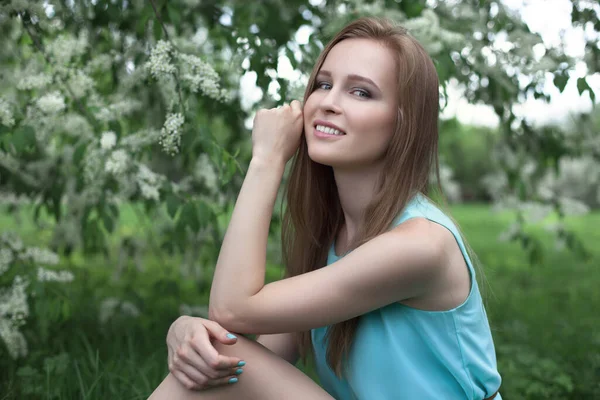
[[240, 270]]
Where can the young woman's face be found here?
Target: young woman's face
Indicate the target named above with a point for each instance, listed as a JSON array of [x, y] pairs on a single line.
[[355, 93]]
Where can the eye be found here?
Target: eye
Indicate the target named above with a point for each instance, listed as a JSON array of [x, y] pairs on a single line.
[[323, 85], [361, 93]]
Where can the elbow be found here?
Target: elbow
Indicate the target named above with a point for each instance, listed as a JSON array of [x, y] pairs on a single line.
[[224, 317]]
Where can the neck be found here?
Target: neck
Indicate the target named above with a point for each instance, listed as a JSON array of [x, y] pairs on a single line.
[[356, 189]]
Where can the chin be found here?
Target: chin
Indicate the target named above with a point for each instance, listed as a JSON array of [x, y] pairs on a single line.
[[322, 157]]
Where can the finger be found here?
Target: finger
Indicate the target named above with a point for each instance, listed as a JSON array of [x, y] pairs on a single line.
[[228, 380], [221, 334], [296, 105], [197, 376], [209, 354], [188, 360], [184, 380]]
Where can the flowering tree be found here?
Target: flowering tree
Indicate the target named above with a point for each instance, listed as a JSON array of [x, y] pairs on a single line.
[[136, 102]]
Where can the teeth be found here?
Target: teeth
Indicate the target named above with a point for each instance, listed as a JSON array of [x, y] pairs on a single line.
[[328, 130]]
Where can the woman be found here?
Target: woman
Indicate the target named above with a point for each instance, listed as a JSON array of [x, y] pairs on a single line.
[[379, 284]]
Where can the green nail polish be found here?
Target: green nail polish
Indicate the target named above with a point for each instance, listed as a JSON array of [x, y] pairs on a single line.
[[233, 380], [241, 363], [239, 371]]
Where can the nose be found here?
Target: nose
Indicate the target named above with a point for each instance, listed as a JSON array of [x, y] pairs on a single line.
[[330, 102]]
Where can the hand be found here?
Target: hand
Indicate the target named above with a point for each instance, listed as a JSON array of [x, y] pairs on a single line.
[[276, 132], [193, 360]]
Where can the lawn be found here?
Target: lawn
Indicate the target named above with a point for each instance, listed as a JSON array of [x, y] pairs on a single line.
[[544, 318]]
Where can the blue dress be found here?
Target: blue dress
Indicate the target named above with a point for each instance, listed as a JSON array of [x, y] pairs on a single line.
[[400, 352]]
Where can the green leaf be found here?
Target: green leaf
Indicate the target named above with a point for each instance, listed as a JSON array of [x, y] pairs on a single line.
[[189, 216], [23, 139], [173, 14], [582, 86], [108, 222], [157, 29], [560, 81], [204, 214], [173, 204]]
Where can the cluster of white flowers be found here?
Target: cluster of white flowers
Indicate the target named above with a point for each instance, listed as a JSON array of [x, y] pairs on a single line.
[[570, 206], [38, 255], [430, 34], [116, 110], [51, 103], [112, 306], [170, 135], [13, 311], [93, 166], [6, 115], [14, 308], [101, 63], [159, 63], [66, 48], [201, 76], [149, 183], [108, 140], [205, 172], [6, 259], [37, 81], [48, 275], [450, 187], [535, 212], [80, 83], [117, 162], [76, 125]]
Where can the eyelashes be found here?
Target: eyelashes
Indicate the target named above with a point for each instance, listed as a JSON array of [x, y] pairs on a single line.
[[359, 92]]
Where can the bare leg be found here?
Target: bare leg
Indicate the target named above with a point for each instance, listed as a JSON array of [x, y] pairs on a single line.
[[266, 377]]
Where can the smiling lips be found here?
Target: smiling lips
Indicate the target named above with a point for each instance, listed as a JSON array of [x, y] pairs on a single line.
[[327, 129]]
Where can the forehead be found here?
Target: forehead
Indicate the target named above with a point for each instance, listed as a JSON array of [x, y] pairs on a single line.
[[363, 57]]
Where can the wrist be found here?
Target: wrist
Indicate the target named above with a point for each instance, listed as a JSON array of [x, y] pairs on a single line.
[[271, 163]]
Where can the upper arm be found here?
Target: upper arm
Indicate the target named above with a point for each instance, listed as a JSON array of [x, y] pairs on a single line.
[[282, 344], [394, 266]]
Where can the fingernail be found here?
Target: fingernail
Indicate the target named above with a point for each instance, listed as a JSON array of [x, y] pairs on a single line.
[[233, 380], [241, 363], [231, 336], [239, 371]]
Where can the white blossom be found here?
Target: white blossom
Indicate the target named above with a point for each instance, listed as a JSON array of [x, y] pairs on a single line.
[[38, 81], [170, 135], [112, 306], [148, 182], [6, 258], [159, 63], [66, 48], [51, 103], [205, 171], [48, 275], [571, 206], [117, 162], [13, 339], [108, 140], [13, 311], [201, 76], [535, 212], [80, 84], [39, 255], [6, 115]]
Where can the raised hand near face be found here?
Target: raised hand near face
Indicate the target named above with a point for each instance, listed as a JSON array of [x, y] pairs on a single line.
[[276, 132]]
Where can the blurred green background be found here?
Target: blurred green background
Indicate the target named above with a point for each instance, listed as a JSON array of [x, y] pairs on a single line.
[[124, 137]]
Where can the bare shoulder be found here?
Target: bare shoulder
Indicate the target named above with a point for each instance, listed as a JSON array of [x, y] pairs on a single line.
[[428, 239]]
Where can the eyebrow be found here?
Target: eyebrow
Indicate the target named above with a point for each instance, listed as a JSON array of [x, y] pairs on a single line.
[[352, 77]]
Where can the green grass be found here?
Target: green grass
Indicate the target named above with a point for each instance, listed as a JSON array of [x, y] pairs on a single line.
[[544, 318]]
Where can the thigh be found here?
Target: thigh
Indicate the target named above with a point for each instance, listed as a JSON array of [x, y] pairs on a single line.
[[266, 376]]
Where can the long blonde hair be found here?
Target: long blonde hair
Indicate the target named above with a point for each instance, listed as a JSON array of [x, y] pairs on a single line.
[[314, 215]]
